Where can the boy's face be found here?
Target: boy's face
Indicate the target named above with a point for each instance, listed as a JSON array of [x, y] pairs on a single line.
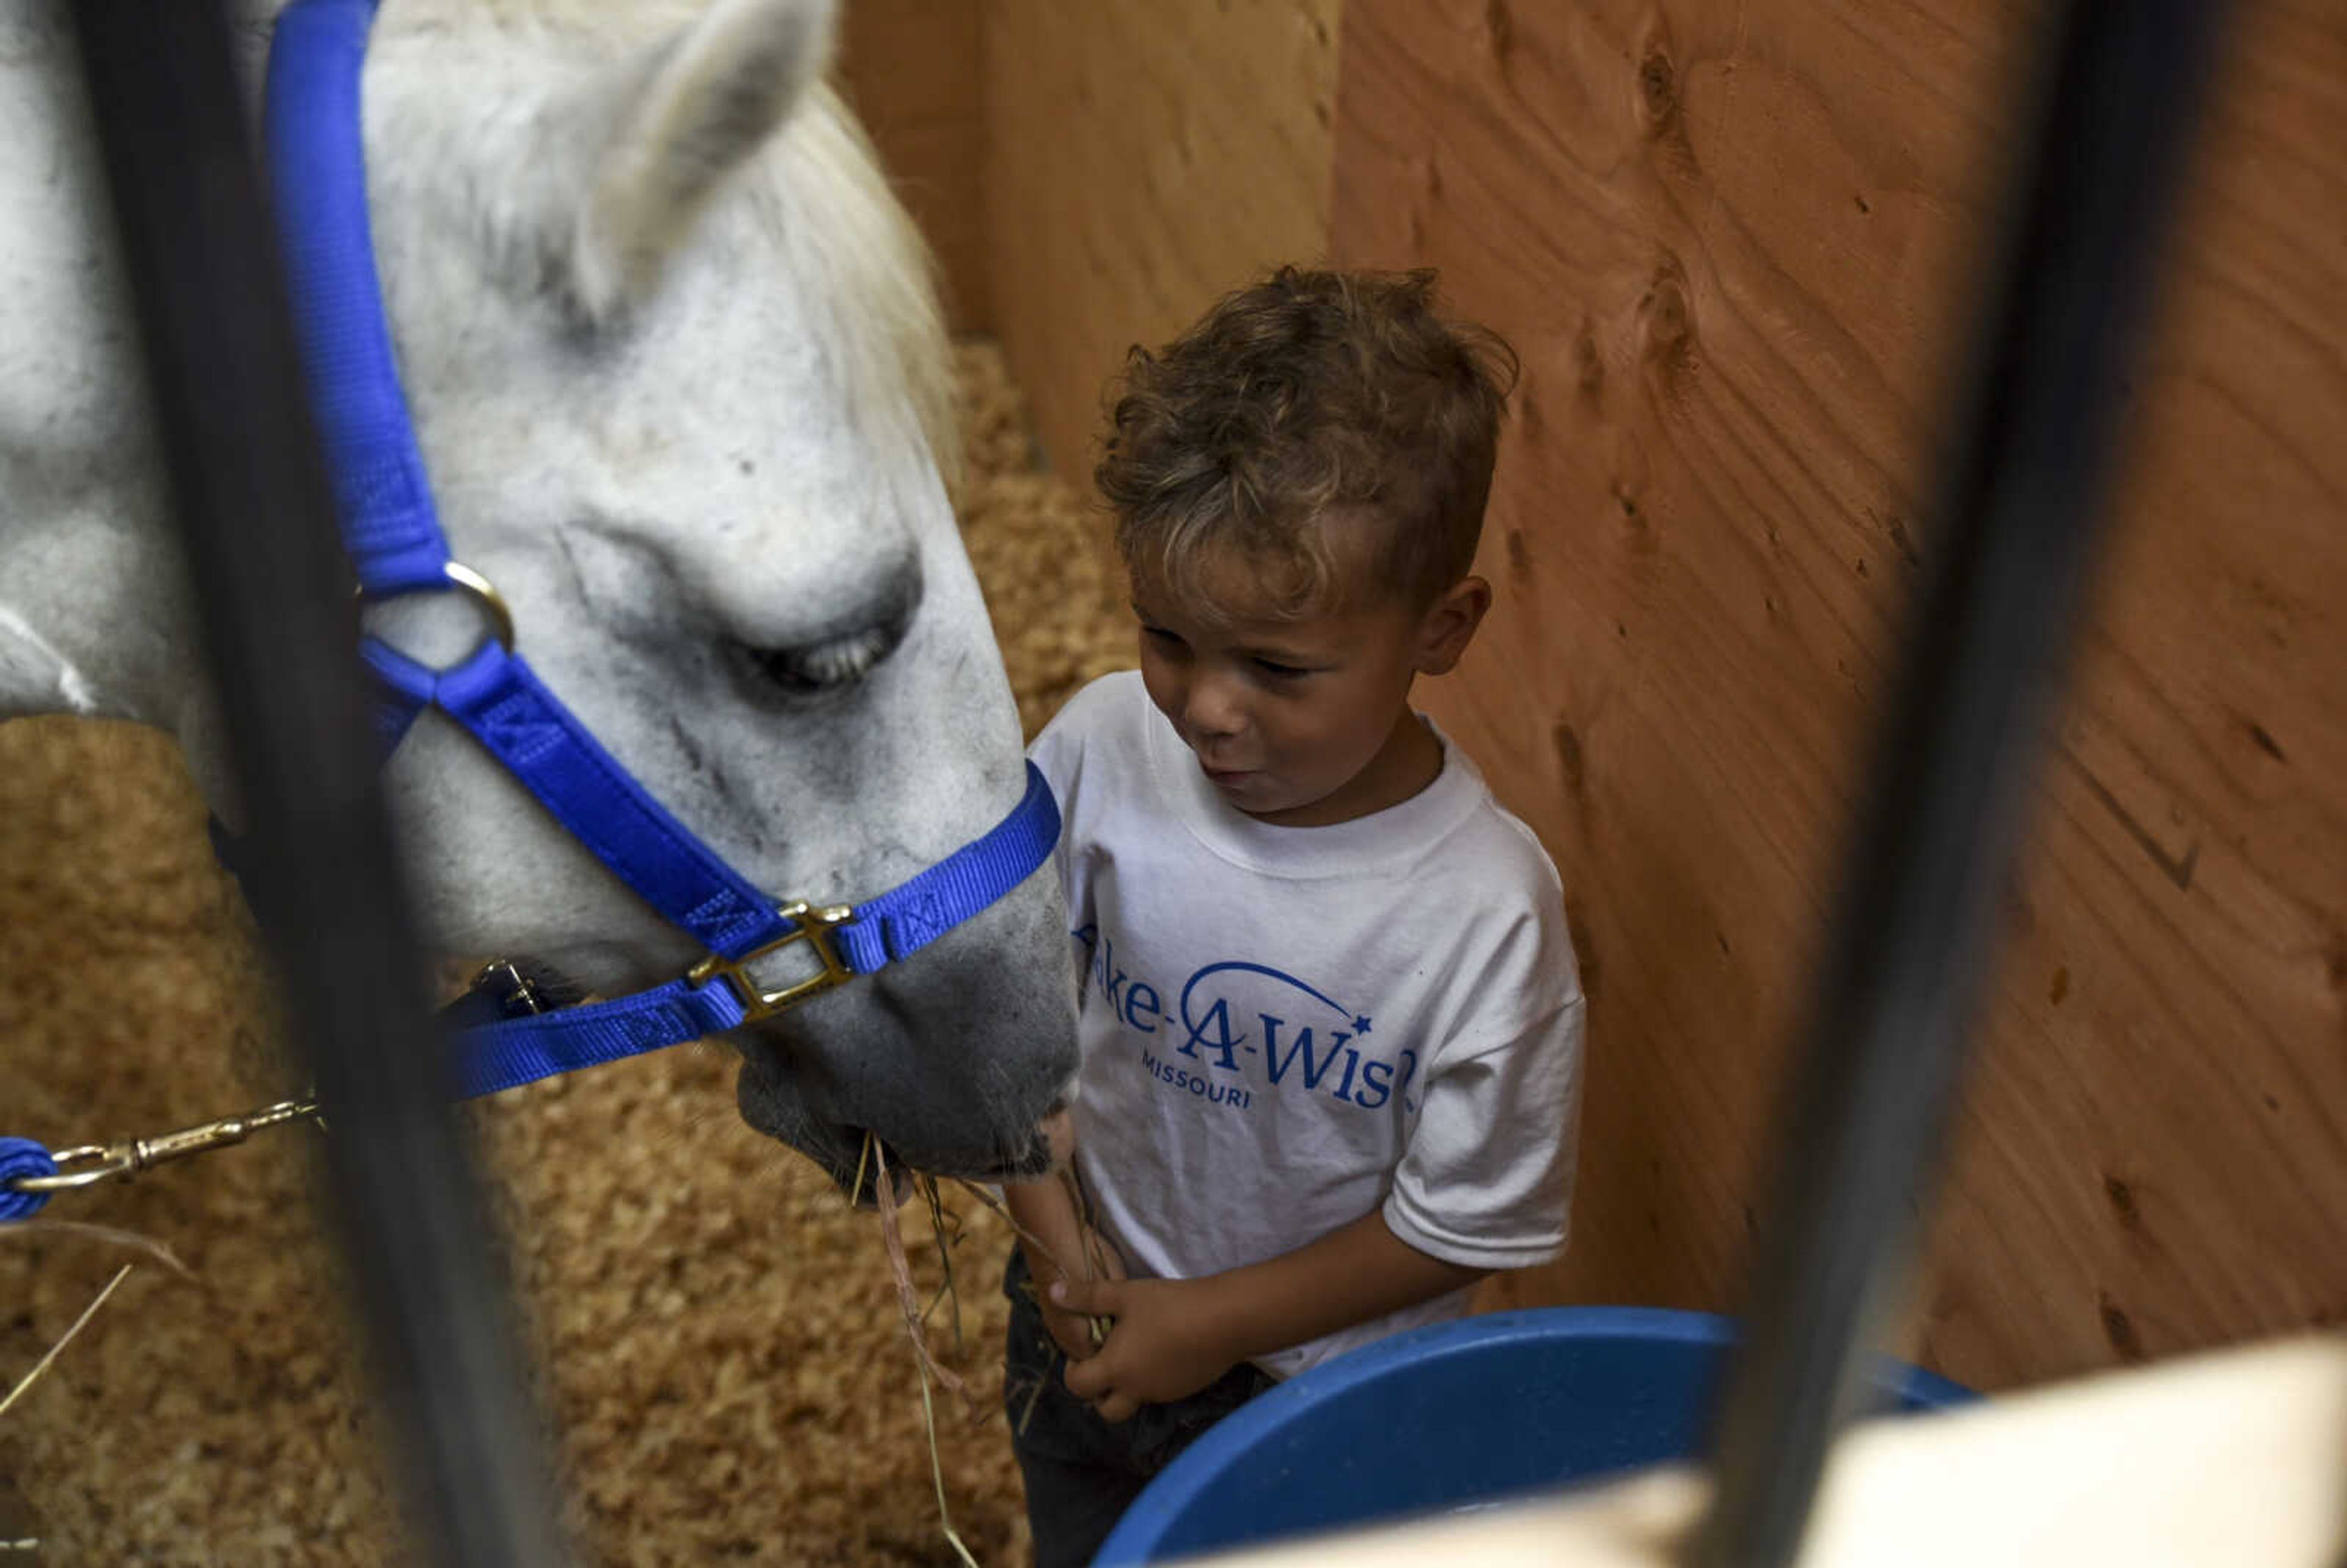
[[1300, 721]]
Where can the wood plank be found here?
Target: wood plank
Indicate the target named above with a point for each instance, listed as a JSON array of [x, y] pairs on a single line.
[[1731, 242], [911, 69], [1141, 159]]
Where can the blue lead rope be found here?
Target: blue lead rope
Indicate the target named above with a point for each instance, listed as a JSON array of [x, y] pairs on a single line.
[[22, 1157]]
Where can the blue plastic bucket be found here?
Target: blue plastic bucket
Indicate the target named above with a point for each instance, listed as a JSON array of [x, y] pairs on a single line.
[[1458, 1413]]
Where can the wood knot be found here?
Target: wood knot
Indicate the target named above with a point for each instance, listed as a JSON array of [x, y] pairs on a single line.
[[1526, 411], [1901, 541], [1568, 754], [2119, 1328], [1501, 27], [1588, 364], [1592, 958], [2122, 1197], [1659, 90], [1665, 315]]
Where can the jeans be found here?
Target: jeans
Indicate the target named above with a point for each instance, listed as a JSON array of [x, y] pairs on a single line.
[[1082, 1472]]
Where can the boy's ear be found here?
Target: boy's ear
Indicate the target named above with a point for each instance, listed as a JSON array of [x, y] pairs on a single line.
[[1449, 623]]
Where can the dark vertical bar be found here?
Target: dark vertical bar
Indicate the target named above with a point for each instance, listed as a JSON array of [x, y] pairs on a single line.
[[2015, 521], [251, 496]]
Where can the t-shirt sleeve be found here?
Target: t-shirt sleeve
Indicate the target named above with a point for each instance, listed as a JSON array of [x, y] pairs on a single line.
[[1059, 749], [1084, 723], [1486, 1181], [1056, 748]]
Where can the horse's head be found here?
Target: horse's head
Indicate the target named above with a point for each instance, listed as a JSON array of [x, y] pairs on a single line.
[[676, 367], [678, 377]]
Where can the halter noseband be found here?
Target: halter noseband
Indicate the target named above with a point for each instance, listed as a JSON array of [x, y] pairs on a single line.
[[393, 535]]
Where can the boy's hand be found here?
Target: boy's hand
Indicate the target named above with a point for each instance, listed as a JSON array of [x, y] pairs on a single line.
[[1164, 1346], [1057, 1243], [1072, 1330]]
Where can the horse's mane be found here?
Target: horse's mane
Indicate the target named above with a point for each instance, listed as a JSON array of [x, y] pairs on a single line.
[[865, 252], [870, 253]]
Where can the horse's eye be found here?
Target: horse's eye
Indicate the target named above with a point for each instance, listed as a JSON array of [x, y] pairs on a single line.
[[824, 666], [828, 649]]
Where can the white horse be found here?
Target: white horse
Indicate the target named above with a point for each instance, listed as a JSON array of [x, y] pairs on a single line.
[[678, 375]]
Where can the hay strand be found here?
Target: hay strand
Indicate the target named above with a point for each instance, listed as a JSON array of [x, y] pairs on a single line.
[[87, 1314], [111, 1234], [892, 1238], [937, 1477], [928, 1187], [1096, 1265]]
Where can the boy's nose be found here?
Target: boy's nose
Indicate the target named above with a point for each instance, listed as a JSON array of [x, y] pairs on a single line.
[[1210, 707]]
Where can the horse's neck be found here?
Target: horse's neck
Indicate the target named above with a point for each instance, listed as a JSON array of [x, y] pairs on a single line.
[[95, 617]]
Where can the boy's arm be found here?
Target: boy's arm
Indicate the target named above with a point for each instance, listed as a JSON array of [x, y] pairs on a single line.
[[1173, 1337], [1488, 1128], [1051, 1235]]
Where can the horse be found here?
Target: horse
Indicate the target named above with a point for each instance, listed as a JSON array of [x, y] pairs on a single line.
[[677, 373]]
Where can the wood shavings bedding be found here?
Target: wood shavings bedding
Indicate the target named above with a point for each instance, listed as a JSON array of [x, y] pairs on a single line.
[[719, 1341]]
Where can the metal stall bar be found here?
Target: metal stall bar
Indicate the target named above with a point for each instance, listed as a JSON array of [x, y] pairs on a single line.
[[2017, 508], [250, 490]]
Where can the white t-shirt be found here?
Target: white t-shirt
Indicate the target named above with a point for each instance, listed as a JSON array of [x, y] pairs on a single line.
[[1287, 1028]]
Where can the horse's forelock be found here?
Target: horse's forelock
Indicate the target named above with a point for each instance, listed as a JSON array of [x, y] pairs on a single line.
[[864, 243]]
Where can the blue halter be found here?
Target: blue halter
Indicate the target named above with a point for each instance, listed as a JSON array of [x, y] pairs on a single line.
[[393, 538]]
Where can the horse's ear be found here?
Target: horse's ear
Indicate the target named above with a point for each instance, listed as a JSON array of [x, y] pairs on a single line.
[[689, 117]]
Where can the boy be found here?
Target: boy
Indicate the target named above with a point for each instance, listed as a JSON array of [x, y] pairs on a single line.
[[1331, 1019]]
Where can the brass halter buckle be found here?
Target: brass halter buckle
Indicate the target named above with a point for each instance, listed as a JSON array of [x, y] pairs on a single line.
[[815, 923]]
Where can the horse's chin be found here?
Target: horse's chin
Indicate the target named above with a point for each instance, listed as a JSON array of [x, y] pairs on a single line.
[[853, 1156]]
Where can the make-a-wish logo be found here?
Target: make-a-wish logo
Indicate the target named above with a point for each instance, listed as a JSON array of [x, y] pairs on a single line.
[[1238, 1024]]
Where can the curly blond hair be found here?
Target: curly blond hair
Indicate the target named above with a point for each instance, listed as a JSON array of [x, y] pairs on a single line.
[[1331, 427]]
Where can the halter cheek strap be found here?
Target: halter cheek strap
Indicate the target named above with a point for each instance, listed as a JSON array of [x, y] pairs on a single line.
[[318, 168]]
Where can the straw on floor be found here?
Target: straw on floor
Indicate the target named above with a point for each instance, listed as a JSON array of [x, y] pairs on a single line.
[[722, 1348]]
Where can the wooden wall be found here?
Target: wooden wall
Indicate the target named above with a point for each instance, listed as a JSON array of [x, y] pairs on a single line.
[[1142, 158], [1730, 240], [1093, 176], [911, 67]]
